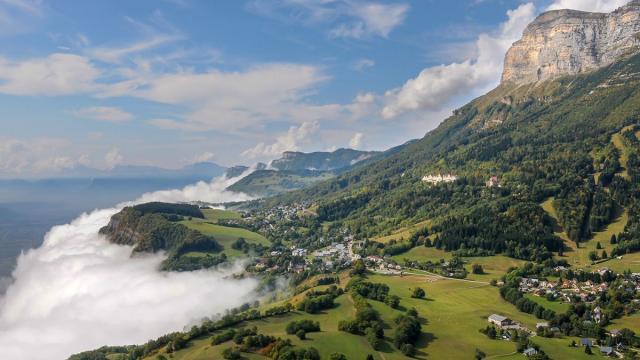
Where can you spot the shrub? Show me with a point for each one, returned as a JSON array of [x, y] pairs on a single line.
[[418, 293]]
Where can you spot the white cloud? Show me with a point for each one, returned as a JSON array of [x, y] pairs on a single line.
[[363, 64], [436, 86], [57, 74], [371, 19], [348, 18], [104, 113], [234, 100], [291, 141], [356, 140], [78, 291], [204, 157], [116, 54], [34, 156], [113, 158], [19, 16], [588, 5]]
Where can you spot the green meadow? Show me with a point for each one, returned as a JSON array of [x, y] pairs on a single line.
[[453, 313], [225, 235]]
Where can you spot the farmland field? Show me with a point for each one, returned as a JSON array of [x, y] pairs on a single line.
[[453, 313]]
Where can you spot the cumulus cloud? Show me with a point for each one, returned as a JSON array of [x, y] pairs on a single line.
[[34, 156], [371, 19], [104, 113], [291, 141], [356, 140], [78, 291], [588, 5], [113, 158], [436, 86], [234, 100], [56, 74]]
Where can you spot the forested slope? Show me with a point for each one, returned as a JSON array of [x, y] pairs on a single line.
[[539, 140]]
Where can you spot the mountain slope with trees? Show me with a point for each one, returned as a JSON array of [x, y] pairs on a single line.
[[538, 140]]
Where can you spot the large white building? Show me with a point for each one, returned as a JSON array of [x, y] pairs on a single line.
[[435, 179]]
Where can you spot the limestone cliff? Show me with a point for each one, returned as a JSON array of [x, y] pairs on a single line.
[[565, 42]]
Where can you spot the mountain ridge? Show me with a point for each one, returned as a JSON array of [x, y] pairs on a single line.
[[569, 42]]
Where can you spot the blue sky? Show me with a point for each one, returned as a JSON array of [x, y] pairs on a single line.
[[168, 83]]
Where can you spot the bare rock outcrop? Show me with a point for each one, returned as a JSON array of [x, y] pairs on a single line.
[[567, 42]]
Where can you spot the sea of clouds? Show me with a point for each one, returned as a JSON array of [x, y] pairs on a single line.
[[77, 291]]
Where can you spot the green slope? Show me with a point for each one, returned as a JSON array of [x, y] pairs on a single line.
[[543, 148]]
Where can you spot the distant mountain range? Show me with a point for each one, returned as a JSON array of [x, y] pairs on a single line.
[[321, 160], [296, 170]]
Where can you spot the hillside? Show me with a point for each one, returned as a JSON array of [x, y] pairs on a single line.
[[272, 182], [539, 140], [323, 161], [297, 170]]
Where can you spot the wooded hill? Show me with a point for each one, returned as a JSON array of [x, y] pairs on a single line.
[[573, 138]]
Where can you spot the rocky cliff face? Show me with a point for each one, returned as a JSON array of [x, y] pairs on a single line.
[[565, 42]]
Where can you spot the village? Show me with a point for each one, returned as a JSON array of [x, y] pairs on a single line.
[[572, 291], [506, 329]]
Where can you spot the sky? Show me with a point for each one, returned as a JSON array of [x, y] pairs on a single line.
[[174, 82]]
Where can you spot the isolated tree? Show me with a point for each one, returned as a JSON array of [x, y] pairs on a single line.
[[604, 254], [393, 301], [614, 239], [593, 256], [369, 357], [598, 245], [418, 293], [477, 269], [480, 354]]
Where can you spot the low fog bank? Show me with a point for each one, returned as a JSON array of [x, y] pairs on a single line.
[[78, 291]]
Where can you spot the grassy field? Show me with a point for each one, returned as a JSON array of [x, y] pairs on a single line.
[[453, 313], [494, 266], [219, 214], [327, 341], [558, 306], [225, 235], [579, 256], [617, 141], [631, 322], [403, 233]]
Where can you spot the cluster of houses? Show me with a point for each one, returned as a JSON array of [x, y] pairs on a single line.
[[380, 265], [566, 290], [439, 178], [337, 254], [503, 322]]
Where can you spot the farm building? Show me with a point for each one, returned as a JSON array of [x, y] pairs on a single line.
[[499, 320]]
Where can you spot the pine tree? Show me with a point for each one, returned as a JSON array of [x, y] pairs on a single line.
[[587, 350]]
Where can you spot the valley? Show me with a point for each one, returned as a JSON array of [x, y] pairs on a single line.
[[510, 231]]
